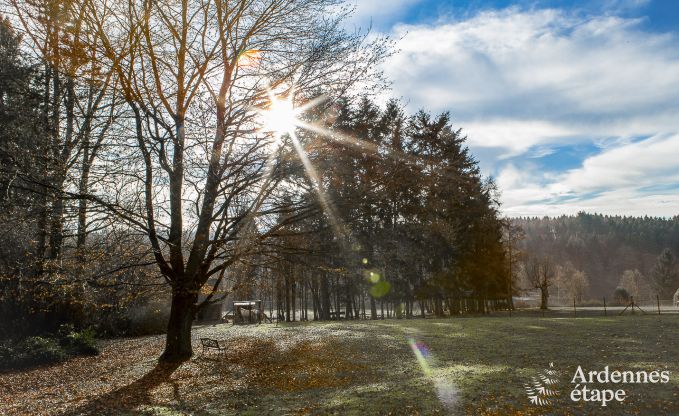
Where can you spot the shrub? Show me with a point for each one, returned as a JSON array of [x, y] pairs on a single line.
[[81, 343], [38, 350], [7, 356], [64, 330], [34, 351], [621, 296]]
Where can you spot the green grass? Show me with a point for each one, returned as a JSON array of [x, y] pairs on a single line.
[[476, 365], [480, 364]]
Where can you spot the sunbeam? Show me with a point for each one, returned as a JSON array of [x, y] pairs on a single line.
[[281, 118], [353, 141], [334, 219]]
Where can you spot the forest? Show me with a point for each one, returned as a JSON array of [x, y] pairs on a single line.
[[596, 254]]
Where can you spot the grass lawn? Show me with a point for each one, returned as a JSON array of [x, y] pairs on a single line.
[[469, 365]]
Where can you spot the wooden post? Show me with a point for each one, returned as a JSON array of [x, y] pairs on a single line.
[[605, 312], [657, 298], [575, 312], [631, 302]]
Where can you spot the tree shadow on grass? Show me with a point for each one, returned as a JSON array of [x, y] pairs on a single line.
[[129, 398]]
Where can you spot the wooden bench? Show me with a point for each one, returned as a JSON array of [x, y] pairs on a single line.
[[211, 344], [335, 315]]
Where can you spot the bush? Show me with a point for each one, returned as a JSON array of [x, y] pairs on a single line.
[[34, 351], [81, 343], [30, 352], [7, 356], [621, 296], [41, 350]]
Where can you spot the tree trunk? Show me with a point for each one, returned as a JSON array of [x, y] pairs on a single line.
[[438, 307], [178, 341], [63, 154], [83, 188], [357, 307], [325, 298], [287, 296], [315, 297], [293, 296], [373, 308], [544, 296], [43, 224], [348, 308], [57, 228]]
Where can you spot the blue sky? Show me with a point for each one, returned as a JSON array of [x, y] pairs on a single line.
[[570, 105]]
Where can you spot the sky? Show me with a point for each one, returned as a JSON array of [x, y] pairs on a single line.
[[570, 105]]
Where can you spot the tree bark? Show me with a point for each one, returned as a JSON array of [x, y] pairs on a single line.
[[56, 239], [544, 296], [178, 340], [287, 296], [325, 298], [83, 188], [373, 308], [82, 204]]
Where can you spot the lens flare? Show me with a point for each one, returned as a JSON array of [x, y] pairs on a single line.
[[446, 391], [380, 289], [249, 58], [280, 118], [420, 350]]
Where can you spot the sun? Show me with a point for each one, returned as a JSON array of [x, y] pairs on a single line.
[[281, 117]]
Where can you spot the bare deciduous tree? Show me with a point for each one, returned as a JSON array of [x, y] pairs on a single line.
[[199, 177], [540, 273]]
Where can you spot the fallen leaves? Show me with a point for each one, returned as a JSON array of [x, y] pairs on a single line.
[[127, 378]]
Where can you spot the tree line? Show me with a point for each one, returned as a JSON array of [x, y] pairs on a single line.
[[413, 229], [592, 256]]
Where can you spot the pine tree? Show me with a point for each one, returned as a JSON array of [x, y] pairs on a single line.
[[665, 274]]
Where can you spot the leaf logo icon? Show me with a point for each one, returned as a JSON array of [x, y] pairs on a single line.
[[540, 391]]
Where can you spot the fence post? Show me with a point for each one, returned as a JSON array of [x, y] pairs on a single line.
[[657, 298], [575, 312], [605, 312]]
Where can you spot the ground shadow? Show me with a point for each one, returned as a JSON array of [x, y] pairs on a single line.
[[130, 397]]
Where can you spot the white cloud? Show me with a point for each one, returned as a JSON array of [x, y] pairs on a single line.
[[543, 68], [650, 162], [516, 136], [611, 203], [523, 82], [525, 186], [637, 178]]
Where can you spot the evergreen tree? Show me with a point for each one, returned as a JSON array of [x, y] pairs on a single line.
[[665, 274]]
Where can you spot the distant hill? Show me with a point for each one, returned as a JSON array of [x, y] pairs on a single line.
[[601, 246]]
